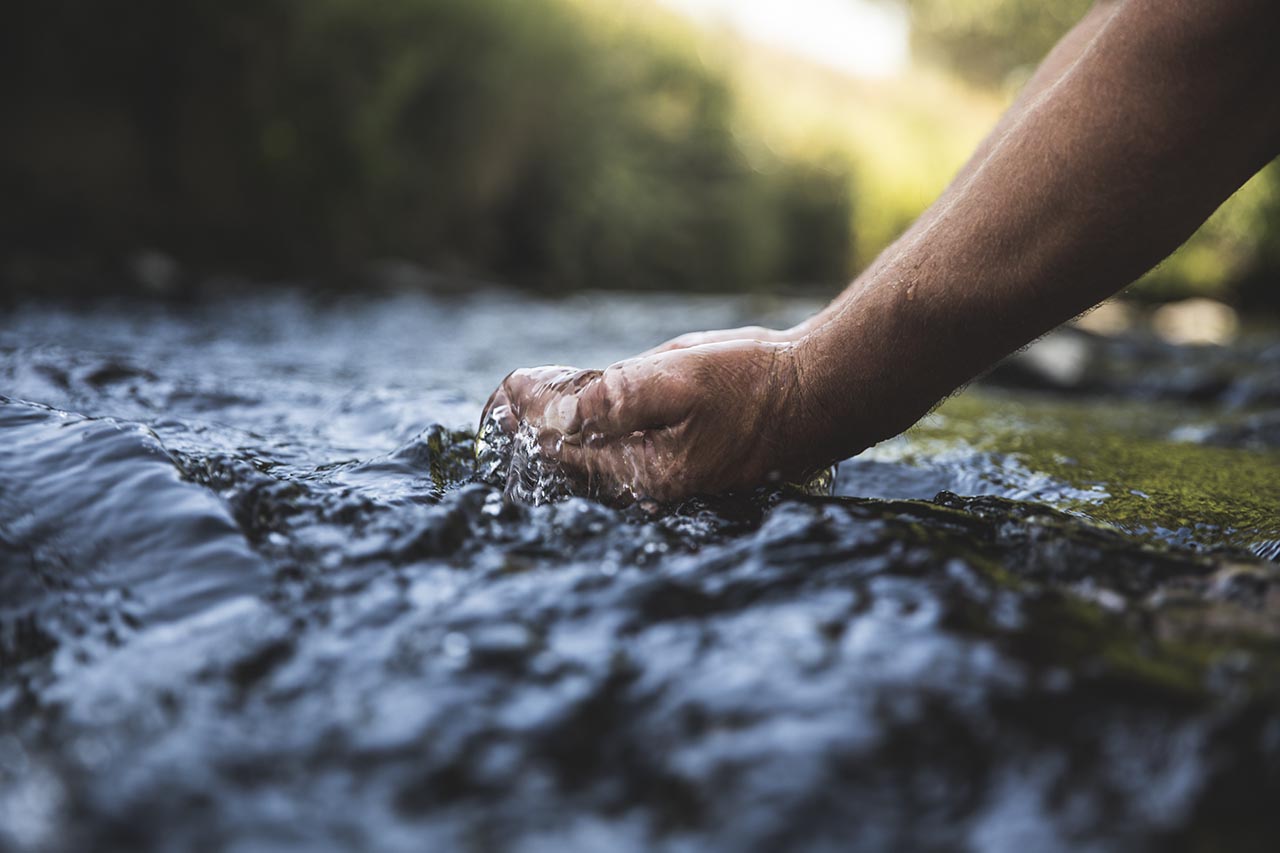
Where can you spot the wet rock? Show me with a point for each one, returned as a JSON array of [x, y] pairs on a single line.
[[438, 532], [254, 667], [1254, 432], [502, 645], [1136, 366], [111, 372]]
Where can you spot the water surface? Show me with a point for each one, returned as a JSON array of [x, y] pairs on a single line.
[[253, 598]]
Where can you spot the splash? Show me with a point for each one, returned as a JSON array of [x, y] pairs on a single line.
[[516, 463]]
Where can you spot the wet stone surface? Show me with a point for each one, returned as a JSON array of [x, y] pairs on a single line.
[[255, 598]]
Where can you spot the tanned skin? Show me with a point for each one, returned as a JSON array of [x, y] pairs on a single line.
[[1141, 121]]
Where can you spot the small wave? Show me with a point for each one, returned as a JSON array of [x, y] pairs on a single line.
[[100, 528]]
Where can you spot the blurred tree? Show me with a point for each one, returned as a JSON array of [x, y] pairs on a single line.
[[997, 43], [539, 140], [988, 41]]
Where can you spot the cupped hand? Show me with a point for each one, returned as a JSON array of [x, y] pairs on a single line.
[[698, 420]]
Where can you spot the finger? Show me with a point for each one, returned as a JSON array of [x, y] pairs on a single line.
[[540, 396], [691, 339], [696, 339], [636, 395], [497, 411], [638, 466], [530, 389], [618, 471]]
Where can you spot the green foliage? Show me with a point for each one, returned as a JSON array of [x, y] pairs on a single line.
[[987, 41], [530, 139], [1234, 256], [996, 43], [554, 143], [1211, 492]]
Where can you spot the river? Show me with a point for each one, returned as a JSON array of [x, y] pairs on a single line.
[[251, 597]]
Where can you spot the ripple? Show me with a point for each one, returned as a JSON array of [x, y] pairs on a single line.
[[267, 596]]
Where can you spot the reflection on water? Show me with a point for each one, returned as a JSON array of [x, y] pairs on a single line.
[[251, 594]]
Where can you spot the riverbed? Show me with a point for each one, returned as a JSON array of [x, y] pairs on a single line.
[[254, 598]]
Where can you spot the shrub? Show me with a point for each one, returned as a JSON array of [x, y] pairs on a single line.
[[528, 139]]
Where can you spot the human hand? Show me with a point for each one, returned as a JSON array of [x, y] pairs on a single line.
[[717, 336], [698, 420]]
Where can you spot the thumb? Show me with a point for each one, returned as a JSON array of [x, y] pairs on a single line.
[[636, 395], [543, 397]]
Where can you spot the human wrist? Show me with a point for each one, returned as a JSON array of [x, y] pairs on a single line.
[[803, 429], [863, 375]]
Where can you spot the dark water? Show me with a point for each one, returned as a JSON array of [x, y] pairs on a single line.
[[251, 599]]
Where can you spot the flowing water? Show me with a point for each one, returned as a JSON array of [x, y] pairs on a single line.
[[252, 596]]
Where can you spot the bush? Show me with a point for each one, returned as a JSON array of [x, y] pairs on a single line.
[[534, 140]]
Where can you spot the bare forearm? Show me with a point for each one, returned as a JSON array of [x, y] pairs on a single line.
[[1059, 60], [1094, 180]]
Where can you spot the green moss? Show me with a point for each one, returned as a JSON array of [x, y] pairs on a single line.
[[1121, 465], [1123, 650]]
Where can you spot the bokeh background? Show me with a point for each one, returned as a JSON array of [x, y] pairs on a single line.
[[263, 261], [757, 145]]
